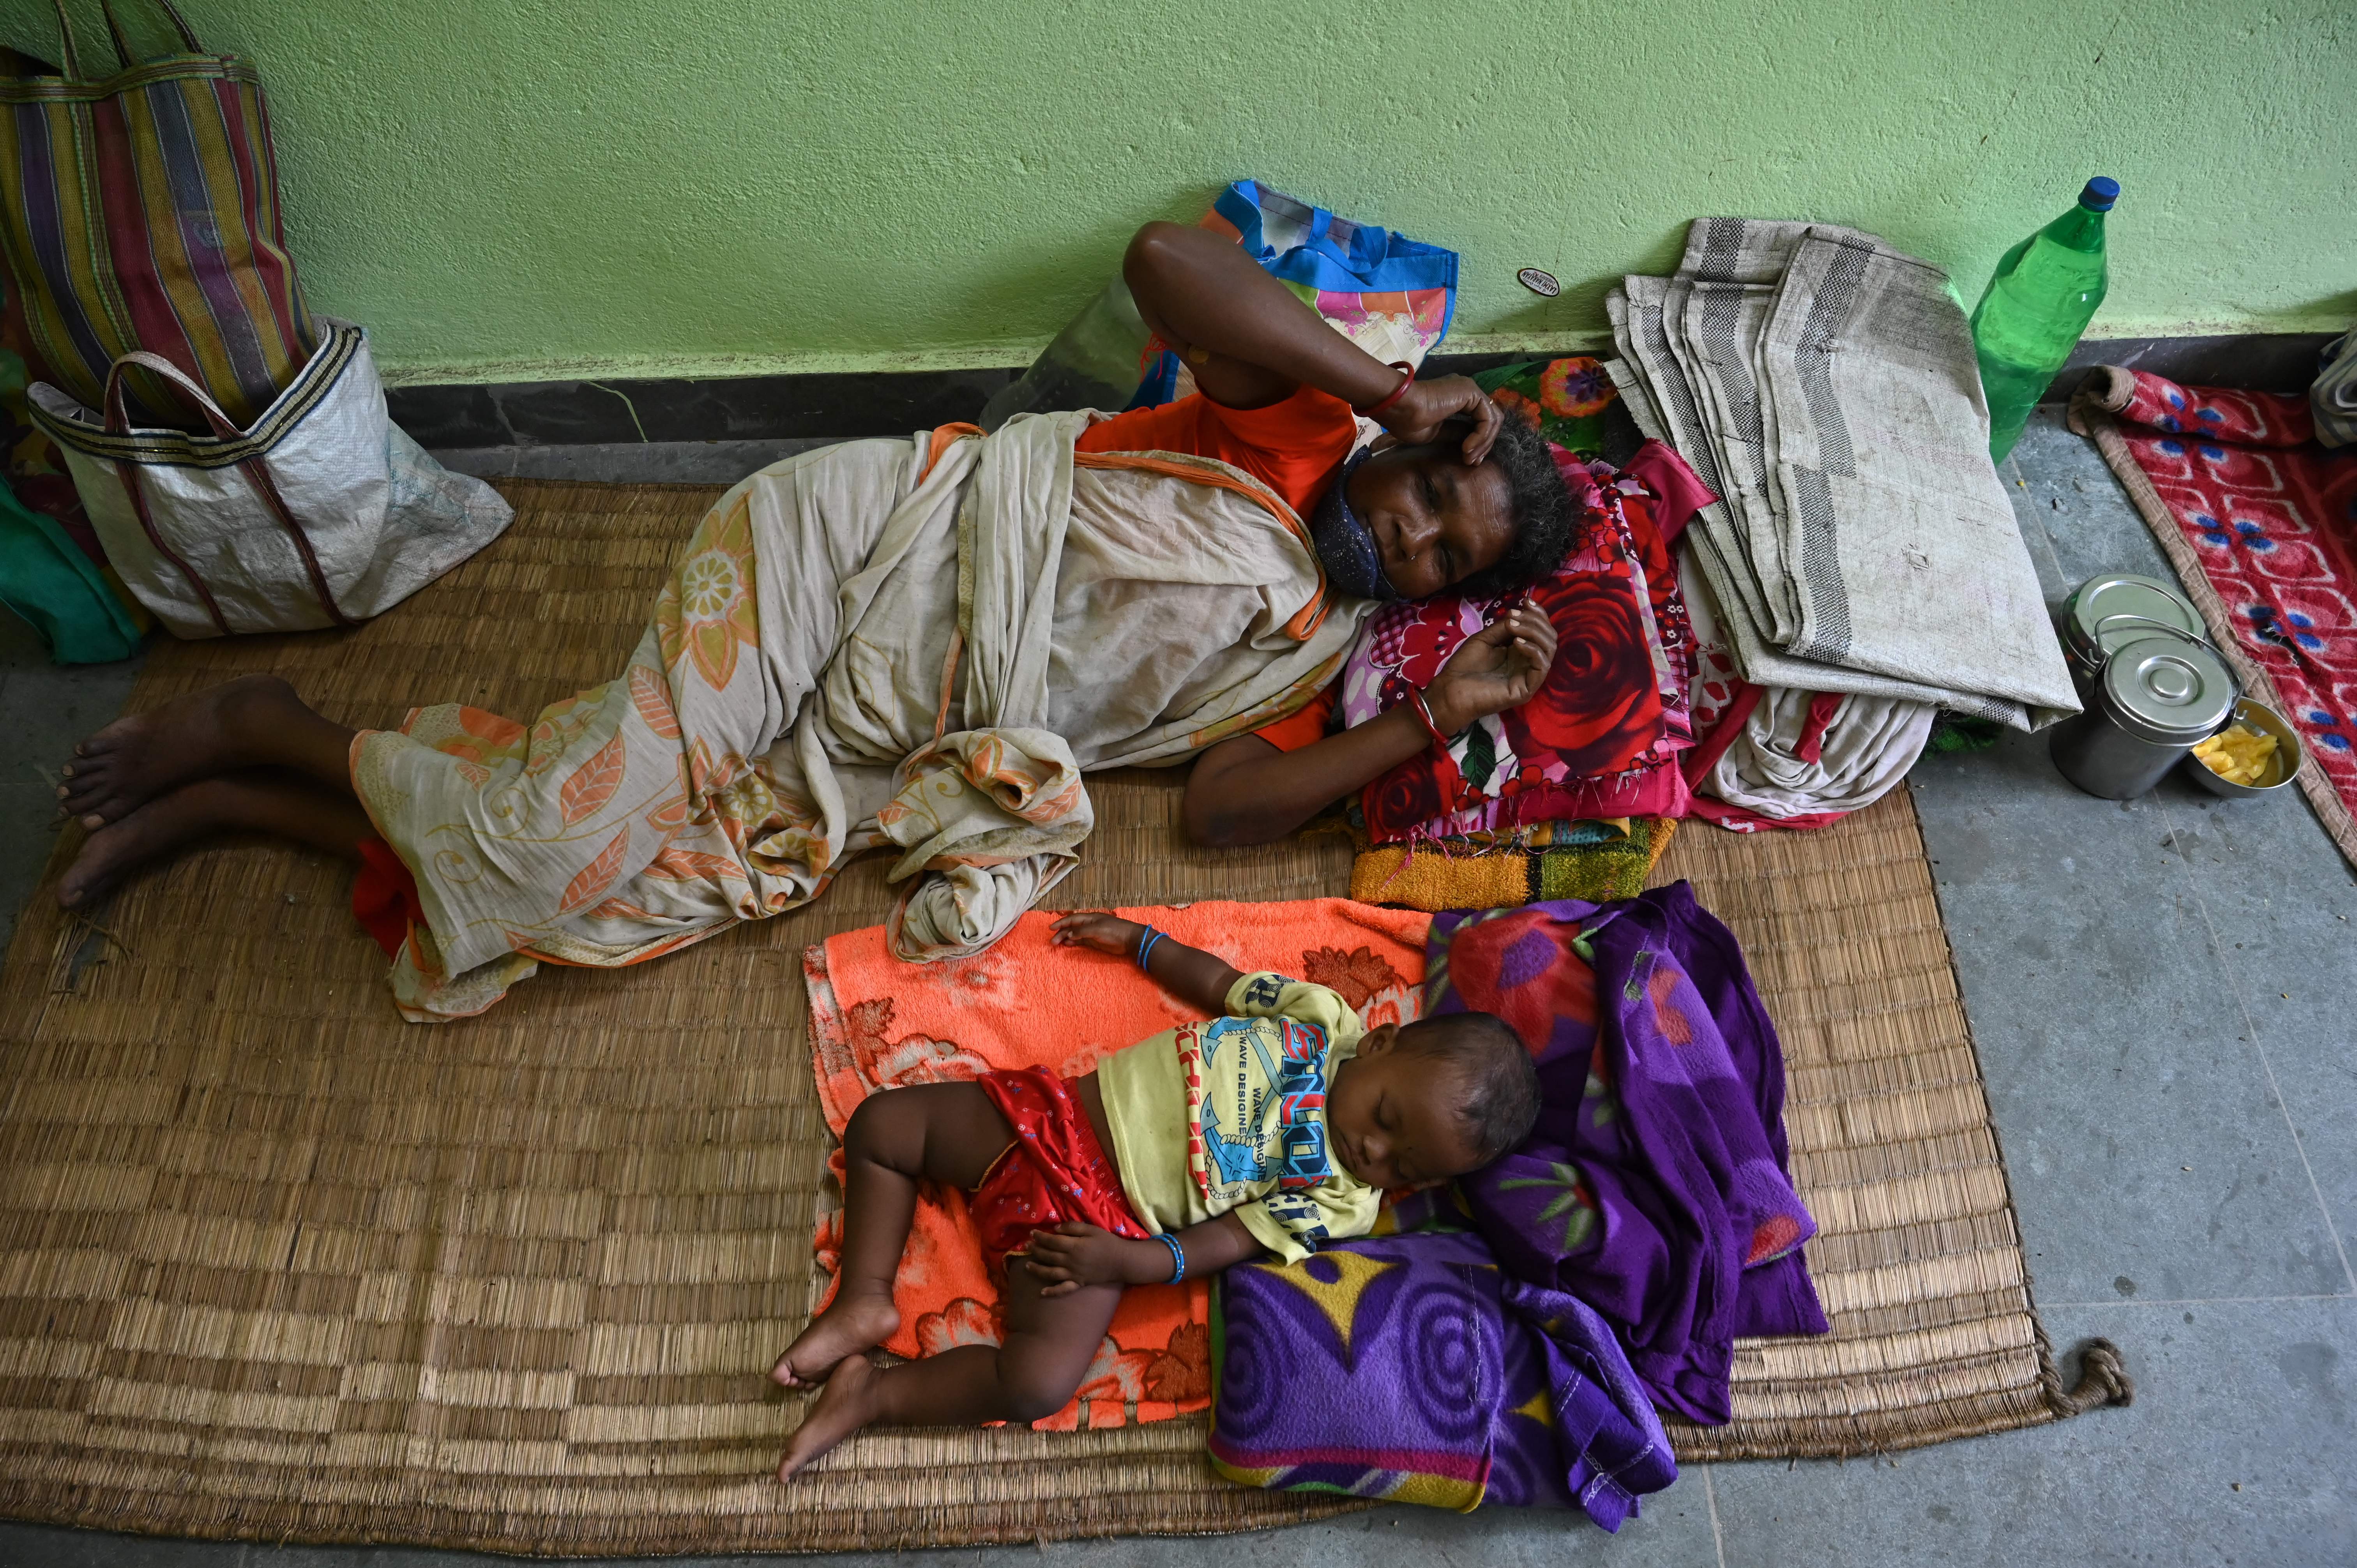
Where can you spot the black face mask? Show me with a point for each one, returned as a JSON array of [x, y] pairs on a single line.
[[1344, 546]]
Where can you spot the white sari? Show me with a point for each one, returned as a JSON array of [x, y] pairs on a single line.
[[919, 644]]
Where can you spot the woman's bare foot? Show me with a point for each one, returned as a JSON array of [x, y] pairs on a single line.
[[134, 760], [261, 799], [843, 1407], [853, 1324]]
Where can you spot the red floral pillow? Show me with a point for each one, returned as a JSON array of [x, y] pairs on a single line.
[[1613, 707]]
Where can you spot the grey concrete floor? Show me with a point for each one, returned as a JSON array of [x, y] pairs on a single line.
[[2161, 994]]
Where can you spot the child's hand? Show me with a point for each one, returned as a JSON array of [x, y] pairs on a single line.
[[1195, 977], [1073, 1254], [1095, 928]]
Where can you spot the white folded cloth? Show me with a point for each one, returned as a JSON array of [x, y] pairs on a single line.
[[1825, 385]]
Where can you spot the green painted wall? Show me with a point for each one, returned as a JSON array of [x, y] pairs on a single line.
[[528, 189]]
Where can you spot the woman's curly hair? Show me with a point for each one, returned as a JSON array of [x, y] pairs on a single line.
[[1543, 514]]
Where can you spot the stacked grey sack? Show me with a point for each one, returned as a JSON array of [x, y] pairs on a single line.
[[1825, 385]]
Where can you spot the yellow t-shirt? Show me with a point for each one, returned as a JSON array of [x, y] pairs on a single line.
[[1230, 1115]]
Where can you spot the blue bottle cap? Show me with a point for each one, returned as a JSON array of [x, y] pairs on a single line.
[[2101, 192]]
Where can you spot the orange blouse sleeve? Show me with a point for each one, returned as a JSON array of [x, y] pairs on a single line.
[[1306, 727]]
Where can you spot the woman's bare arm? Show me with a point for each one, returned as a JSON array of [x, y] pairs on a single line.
[[1249, 341], [1245, 791]]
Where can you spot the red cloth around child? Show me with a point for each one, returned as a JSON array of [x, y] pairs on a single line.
[[1056, 1170]]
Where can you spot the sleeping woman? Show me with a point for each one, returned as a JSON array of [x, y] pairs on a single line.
[[916, 644]]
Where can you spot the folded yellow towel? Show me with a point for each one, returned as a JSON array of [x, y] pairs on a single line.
[[1458, 874]]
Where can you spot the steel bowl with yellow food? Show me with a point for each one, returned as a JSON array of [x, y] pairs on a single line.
[[2257, 753]]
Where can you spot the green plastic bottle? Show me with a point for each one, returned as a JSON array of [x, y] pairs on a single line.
[[2044, 293]]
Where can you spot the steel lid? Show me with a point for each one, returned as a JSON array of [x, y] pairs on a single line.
[[2092, 635], [2166, 690]]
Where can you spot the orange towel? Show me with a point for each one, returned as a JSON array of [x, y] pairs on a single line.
[[877, 1023]]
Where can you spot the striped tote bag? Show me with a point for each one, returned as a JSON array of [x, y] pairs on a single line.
[[141, 212]]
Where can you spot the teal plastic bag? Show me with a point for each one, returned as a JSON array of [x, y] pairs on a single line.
[[46, 579]]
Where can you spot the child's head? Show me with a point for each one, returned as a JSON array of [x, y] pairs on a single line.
[[1434, 1099]]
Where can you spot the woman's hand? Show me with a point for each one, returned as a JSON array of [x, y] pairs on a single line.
[[1245, 791], [1095, 928], [1426, 408], [1073, 1254], [1500, 667]]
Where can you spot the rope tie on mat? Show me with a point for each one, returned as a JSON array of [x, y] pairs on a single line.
[[2103, 1380]]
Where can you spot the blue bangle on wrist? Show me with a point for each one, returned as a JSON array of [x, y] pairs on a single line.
[[1147, 937], [1177, 1256]]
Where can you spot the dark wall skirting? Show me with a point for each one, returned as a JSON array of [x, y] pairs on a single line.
[[741, 408], [2253, 361], [841, 406]]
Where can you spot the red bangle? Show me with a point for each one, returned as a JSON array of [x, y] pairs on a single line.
[[1424, 716], [1407, 380]]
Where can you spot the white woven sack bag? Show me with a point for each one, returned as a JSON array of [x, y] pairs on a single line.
[[323, 513]]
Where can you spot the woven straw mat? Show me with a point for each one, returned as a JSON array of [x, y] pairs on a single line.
[[275, 1265]]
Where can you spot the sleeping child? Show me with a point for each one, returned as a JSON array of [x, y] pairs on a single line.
[[1273, 1128]]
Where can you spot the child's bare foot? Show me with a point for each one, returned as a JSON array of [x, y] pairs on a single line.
[[135, 760], [843, 1407], [853, 1324]]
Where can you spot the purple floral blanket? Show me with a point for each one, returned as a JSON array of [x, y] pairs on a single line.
[[1410, 1368], [1510, 1346], [1655, 1188]]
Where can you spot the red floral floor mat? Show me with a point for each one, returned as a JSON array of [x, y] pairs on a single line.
[[2261, 523]]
